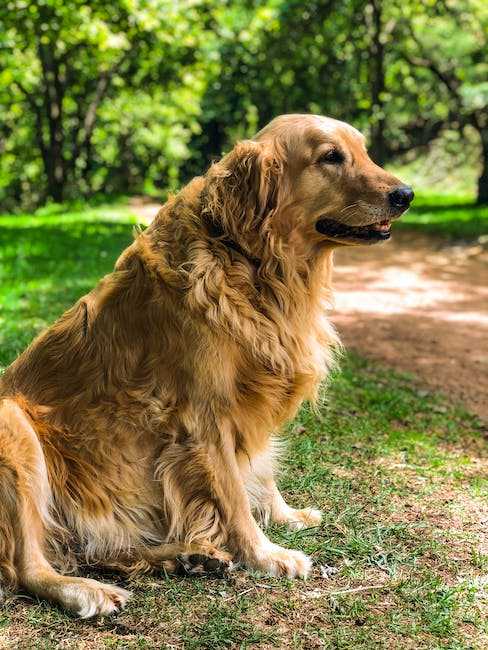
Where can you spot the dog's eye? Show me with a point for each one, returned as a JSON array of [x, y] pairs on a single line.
[[332, 157]]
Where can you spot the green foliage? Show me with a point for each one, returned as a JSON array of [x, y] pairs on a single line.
[[139, 95], [97, 95]]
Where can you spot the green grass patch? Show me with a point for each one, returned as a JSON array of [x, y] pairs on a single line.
[[452, 216], [401, 555], [50, 259]]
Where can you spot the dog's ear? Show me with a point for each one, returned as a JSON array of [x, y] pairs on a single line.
[[243, 188]]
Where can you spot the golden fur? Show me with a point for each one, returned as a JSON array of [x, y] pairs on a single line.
[[136, 432]]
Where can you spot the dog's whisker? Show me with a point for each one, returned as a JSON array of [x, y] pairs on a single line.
[[349, 206]]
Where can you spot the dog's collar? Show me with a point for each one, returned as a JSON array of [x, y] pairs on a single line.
[[215, 231]]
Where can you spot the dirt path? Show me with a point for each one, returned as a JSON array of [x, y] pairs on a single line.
[[422, 307], [144, 207], [415, 304]]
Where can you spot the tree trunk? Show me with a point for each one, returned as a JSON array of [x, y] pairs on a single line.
[[482, 197], [55, 170], [53, 96], [377, 80]]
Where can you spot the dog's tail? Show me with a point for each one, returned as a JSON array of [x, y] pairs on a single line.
[[8, 518]]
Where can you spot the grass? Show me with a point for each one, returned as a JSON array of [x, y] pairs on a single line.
[[452, 216], [48, 260], [401, 558]]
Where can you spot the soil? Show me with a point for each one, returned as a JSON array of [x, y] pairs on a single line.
[[419, 305], [144, 207], [415, 303]]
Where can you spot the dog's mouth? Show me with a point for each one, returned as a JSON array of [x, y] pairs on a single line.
[[379, 231]]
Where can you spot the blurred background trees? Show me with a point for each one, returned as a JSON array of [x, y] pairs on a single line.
[[136, 96]]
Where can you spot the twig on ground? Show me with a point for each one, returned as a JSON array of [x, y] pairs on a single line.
[[356, 590]]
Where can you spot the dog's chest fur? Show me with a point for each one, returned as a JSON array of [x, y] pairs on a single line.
[[262, 379], [253, 351]]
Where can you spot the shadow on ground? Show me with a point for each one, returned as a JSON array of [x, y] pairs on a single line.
[[422, 307]]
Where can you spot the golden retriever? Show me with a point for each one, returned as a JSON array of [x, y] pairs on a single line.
[[137, 431]]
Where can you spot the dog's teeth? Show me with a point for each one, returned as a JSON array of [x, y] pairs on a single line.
[[382, 226]]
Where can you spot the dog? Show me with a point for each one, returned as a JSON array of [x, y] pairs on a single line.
[[139, 431]]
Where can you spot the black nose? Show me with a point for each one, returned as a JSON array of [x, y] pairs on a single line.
[[401, 197]]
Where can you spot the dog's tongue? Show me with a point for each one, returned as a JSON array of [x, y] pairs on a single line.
[[382, 226]]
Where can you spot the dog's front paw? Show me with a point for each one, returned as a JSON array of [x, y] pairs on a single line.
[[88, 598], [306, 518], [278, 561]]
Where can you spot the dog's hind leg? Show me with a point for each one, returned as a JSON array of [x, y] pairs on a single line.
[[282, 513], [25, 520], [266, 499]]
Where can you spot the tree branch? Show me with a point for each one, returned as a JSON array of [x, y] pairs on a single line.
[[449, 80], [91, 113], [67, 54], [419, 134]]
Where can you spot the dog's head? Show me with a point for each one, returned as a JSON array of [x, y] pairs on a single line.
[[304, 179]]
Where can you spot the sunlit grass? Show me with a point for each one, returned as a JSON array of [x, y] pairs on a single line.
[[452, 216]]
